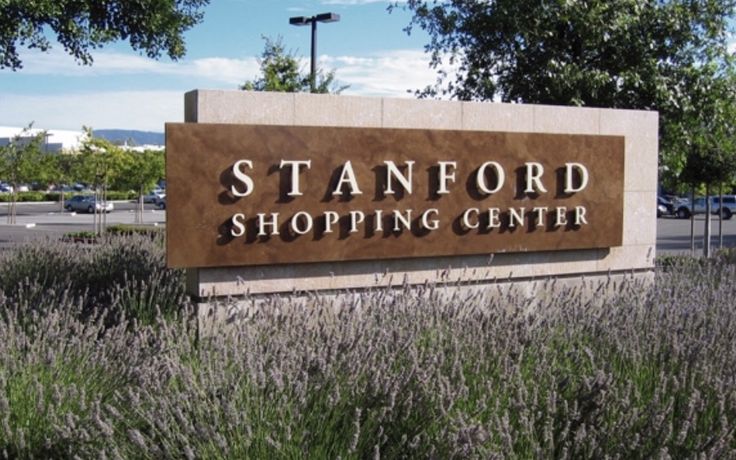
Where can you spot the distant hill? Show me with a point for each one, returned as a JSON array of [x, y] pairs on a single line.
[[132, 137]]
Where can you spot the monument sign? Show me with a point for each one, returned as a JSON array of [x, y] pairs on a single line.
[[252, 194], [275, 192]]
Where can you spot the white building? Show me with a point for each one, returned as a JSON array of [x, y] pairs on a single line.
[[57, 140], [142, 148]]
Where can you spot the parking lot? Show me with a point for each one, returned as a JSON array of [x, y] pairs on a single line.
[[46, 220], [673, 235]]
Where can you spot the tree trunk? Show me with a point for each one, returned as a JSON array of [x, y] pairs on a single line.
[[95, 223], [720, 216], [12, 211], [11, 208], [707, 233], [139, 211], [61, 200], [692, 221], [103, 225]]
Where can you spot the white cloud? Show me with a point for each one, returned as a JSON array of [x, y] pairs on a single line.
[[144, 110], [356, 2], [223, 70], [390, 74], [229, 71], [386, 74]]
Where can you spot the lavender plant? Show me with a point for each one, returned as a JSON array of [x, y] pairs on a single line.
[[645, 371], [122, 275], [56, 374]]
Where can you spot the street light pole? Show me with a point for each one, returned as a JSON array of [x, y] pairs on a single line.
[[303, 21], [313, 60]]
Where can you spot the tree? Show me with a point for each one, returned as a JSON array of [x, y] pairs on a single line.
[[635, 54], [708, 138], [20, 162], [100, 164], [60, 170], [281, 72], [153, 26], [140, 172]]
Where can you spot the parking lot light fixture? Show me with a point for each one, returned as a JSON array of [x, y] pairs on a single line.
[[313, 20]]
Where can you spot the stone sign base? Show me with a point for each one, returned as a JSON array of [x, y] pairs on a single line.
[[526, 295]]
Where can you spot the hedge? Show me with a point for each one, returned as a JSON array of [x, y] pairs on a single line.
[[54, 196]]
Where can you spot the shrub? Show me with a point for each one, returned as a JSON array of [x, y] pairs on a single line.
[[127, 230], [80, 236], [55, 196], [121, 195], [119, 274], [644, 372], [59, 375], [727, 256], [22, 197]]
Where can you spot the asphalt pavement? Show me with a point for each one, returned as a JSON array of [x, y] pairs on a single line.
[[47, 220], [673, 235]]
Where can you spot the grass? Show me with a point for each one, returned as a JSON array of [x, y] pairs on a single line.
[[101, 356]]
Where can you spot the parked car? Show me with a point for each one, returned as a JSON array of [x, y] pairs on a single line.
[[665, 207], [87, 203], [729, 205], [4, 187], [161, 202], [154, 196], [685, 209]]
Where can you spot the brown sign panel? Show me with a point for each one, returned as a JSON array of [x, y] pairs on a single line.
[[251, 195]]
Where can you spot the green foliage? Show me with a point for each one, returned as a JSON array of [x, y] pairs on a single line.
[[100, 162], [635, 54], [62, 168], [82, 235], [140, 171], [56, 196], [22, 197], [20, 160], [152, 26], [280, 72], [707, 135], [127, 230], [121, 194]]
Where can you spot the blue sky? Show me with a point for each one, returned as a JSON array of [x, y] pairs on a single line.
[[123, 89]]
